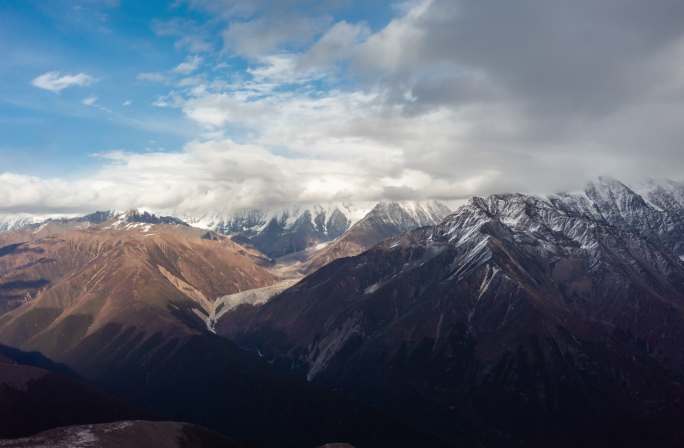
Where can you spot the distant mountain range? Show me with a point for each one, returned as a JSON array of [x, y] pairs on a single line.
[[281, 232], [384, 220], [276, 232]]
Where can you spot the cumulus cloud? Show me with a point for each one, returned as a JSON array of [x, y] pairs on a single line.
[[215, 174], [56, 82], [450, 98]]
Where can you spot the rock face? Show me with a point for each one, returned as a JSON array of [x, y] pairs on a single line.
[[525, 320]]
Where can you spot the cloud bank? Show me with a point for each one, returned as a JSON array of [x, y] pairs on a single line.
[[450, 98]]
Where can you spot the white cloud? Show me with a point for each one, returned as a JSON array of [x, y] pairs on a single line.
[[189, 65], [127, 103], [89, 101], [266, 35], [214, 174], [442, 102], [56, 82]]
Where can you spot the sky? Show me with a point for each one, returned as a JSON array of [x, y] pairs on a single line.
[[190, 106]]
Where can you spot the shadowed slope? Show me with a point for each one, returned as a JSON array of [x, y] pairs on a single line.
[[37, 394], [524, 320], [139, 434]]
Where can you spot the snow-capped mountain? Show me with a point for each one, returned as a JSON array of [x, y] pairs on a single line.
[[11, 222], [385, 220], [284, 231], [514, 310], [275, 232], [108, 219], [252, 221], [131, 219]]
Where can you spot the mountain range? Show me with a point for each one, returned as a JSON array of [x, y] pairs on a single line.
[[523, 319], [126, 300], [513, 320]]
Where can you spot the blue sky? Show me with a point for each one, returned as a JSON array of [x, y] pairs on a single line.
[[197, 106], [48, 134]]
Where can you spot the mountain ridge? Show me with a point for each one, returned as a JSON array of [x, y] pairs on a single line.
[[585, 287]]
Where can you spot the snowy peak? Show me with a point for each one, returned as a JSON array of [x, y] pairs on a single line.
[[138, 216], [663, 194], [281, 231], [10, 223], [385, 220], [608, 222], [251, 221], [614, 199], [409, 214], [99, 217], [21, 221], [134, 219]]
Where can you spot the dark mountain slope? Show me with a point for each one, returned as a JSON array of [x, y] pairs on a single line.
[[37, 394], [528, 321]]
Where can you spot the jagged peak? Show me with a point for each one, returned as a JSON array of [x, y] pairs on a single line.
[[136, 217], [608, 188], [408, 214]]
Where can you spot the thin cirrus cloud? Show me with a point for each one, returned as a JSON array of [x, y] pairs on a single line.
[[89, 101], [152, 77], [55, 82], [189, 65], [189, 34]]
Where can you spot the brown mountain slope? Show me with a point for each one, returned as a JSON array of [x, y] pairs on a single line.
[[158, 278], [124, 304]]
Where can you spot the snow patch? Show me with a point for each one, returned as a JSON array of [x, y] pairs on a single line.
[[372, 288]]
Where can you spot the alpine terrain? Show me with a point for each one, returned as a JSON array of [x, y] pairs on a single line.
[[127, 301], [518, 320]]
